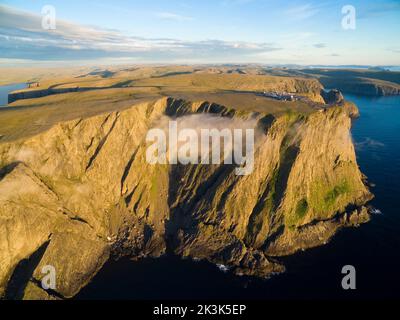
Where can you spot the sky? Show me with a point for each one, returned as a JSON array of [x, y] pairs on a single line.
[[191, 31]]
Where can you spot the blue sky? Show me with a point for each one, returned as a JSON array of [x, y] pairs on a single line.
[[185, 31]]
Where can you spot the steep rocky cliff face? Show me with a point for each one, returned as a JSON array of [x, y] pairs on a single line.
[[82, 192], [367, 87], [12, 97]]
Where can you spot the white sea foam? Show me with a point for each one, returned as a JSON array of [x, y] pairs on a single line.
[[222, 267]]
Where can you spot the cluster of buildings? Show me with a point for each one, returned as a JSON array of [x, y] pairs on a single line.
[[283, 96], [33, 84]]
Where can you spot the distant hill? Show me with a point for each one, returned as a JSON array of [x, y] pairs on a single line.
[[366, 82], [371, 82]]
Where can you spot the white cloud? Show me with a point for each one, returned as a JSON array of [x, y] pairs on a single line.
[[23, 38], [301, 12], [172, 16], [235, 2], [319, 45]]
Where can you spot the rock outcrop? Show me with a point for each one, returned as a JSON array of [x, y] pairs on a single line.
[[333, 96], [37, 93], [82, 192]]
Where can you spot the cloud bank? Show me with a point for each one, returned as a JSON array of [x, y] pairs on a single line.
[[22, 37]]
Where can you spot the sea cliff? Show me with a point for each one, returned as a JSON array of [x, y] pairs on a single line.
[[82, 192]]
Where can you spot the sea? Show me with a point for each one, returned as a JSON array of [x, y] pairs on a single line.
[[5, 90]]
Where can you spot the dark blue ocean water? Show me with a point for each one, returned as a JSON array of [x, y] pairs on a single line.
[[5, 90]]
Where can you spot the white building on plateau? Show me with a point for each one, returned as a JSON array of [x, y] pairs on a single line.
[[33, 84]]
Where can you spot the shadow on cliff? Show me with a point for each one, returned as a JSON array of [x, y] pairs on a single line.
[[23, 273], [182, 216]]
